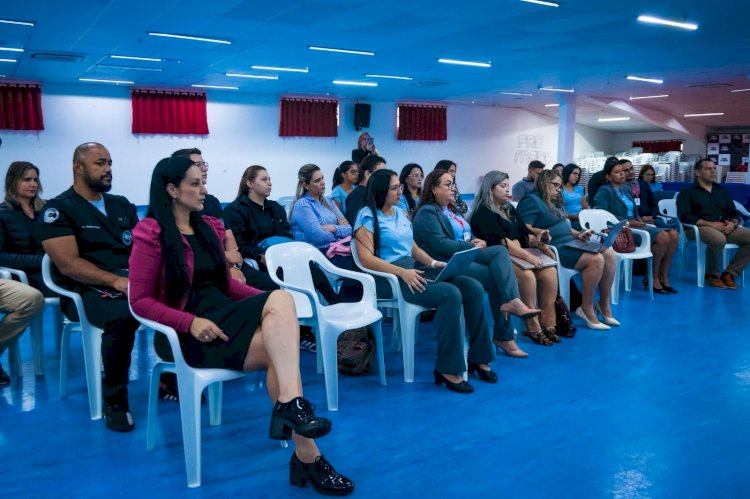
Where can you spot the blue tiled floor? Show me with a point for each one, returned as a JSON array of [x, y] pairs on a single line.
[[655, 408]]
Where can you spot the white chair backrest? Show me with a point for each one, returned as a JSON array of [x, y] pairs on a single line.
[[595, 219], [743, 211], [668, 207]]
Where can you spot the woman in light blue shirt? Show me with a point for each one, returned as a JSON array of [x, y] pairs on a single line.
[[344, 179], [316, 220], [385, 243], [574, 198]]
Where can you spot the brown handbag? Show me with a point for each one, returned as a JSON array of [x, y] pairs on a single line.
[[625, 241]]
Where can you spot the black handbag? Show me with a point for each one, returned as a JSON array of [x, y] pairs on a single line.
[[563, 324]]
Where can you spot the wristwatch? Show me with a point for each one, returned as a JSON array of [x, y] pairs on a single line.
[[237, 266]]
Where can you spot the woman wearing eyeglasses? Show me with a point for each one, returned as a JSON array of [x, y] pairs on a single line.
[[442, 232], [542, 211], [411, 184]]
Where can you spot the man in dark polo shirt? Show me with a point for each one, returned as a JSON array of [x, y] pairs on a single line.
[[526, 184], [87, 234], [710, 207]]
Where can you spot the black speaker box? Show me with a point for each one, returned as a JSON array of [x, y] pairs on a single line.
[[361, 116]]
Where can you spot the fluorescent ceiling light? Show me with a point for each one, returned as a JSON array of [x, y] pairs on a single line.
[[134, 58], [274, 68], [702, 114], [517, 93], [543, 2], [355, 83], [343, 51], [741, 90], [8, 60], [388, 77], [667, 22], [647, 80], [220, 87], [648, 97], [554, 89], [466, 63], [131, 68], [552, 105], [97, 80], [20, 23], [194, 38], [622, 118], [257, 77], [9, 49]]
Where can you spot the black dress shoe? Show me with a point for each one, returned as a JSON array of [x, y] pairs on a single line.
[[4, 378], [462, 387], [669, 289], [487, 375], [657, 291], [297, 415], [321, 475], [118, 417]]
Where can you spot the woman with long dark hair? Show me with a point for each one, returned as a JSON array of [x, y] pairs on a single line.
[[446, 165], [411, 185], [19, 248], [618, 199], [385, 243], [178, 277], [542, 211], [495, 220], [573, 195], [344, 180], [442, 232]]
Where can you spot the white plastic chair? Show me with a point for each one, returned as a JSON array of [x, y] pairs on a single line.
[[743, 211], [36, 326], [91, 337], [293, 259], [598, 220], [564, 276], [190, 384], [405, 315], [669, 207]]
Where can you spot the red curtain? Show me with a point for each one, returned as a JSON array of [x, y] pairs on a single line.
[[422, 122], [658, 146], [301, 117], [21, 106], [171, 112]]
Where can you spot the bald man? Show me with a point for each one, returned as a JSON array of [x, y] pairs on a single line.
[[87, 234]]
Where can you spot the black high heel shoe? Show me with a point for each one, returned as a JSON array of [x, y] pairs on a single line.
[[669, 289], [487, 375], [657, 291], [462, 387], [297, 415], [321, 475]]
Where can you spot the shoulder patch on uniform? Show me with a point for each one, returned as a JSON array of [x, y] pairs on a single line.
[[127, 238], [51, 215]]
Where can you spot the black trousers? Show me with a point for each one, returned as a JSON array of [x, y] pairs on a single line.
[[113, 316]]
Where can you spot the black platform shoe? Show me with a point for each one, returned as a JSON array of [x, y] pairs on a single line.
[[297, 415], [488, 375], [321, 475], [462, 387]]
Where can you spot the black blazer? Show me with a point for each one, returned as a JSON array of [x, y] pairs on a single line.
[[494, 229], [434, 234], [607, 199]]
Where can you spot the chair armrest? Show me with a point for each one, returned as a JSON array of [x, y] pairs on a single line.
[[645, 239], [693, 228], [368, 283], [51, 284], [19, 274], [5, 274]]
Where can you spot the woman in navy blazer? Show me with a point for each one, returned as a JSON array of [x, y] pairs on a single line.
[[617, 199]]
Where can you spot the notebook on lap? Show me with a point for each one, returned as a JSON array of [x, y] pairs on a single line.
[[598, 246], [455, 267]]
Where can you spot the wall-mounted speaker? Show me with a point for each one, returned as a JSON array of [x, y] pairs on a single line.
[[361, 116]]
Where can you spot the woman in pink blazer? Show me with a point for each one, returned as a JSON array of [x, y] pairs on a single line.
[[178, 277]]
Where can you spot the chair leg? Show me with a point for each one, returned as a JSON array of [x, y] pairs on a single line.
[[650, 268], [153, 404], [190, 415], [627, 268], [377, 329], [408, 324], [616, 282], [58, 320], [15, 364], [396, 336], [64, 355], [318, 353], [700, 262], [330, 368], [215, 391], [37, 343], [92, 356], [564, 285]]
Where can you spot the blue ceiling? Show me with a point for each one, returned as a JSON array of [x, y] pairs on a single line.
[[587, 45]]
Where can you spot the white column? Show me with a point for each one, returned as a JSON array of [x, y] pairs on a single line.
[[566, 128]]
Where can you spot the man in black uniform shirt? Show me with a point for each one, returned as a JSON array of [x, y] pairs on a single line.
[[87, 234]]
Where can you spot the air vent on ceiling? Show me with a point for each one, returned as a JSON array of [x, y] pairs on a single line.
[[712, 85], [57, 57], [431, 83]]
